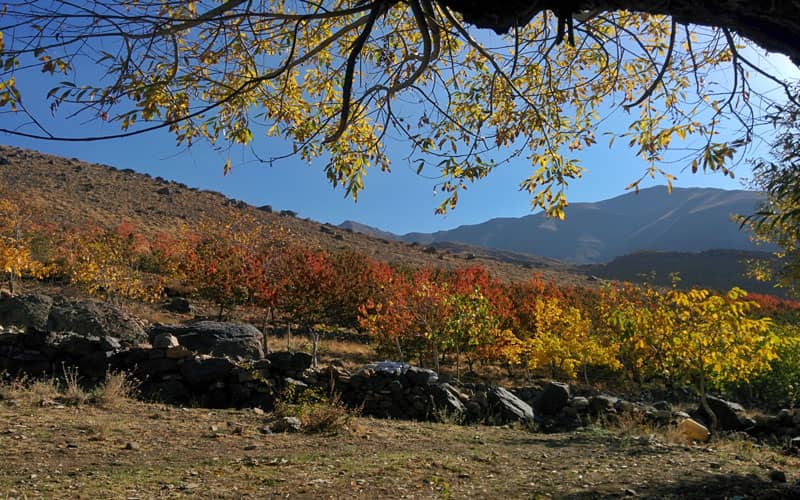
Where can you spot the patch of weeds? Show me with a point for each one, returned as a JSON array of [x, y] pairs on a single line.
[[318, 412], [443, 416], [72, 391], [117, 388], [443, 487], [30, 391]]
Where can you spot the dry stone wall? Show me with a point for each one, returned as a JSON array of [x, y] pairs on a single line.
[[223, 365]]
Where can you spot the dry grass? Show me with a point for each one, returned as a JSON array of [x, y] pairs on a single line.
[[153, 451], [72, 392], [116, 389]]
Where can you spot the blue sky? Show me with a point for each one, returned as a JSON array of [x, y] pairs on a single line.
[[399, 201]]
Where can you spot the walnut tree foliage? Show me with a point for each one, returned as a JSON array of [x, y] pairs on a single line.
[[338, 79], [777, 220]]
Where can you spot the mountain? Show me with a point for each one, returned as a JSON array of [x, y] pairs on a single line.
[[715, 269], [687, 220]]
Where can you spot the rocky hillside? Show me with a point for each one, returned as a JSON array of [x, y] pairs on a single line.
[[71, 192]]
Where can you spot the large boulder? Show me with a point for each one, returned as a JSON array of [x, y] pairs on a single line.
[[93, 318], [730, 415], [553, 398], [235, 340], [504, 407], [26, 311]]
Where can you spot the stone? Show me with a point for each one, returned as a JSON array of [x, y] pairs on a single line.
[[785, 417], [78, 346], [728, 414], [155, 367], [553, 398], [286, 424], [420, 376], [108, 343], [777, 476], [447, 403], [235, 340], [163, 340], [504, 407], [167, 391], [580, 403], [179, 305], [202, 372], [99, 319], [94, 364], [693, 430], [178, 352], [601, 403], [662, 406], [289, 362], [26, 311]]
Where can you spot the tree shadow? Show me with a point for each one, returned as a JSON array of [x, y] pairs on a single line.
[[703, 486]]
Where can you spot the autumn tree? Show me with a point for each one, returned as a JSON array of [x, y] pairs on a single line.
[[335, 78], [715, 341], [18, 233], [107, 262]]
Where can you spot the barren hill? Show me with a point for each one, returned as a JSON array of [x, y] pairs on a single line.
[[75, 192]]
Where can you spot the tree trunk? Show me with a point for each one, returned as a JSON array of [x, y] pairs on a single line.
[[705, 405], [399, 349], [265, 337], [314, 346], [775, 26]]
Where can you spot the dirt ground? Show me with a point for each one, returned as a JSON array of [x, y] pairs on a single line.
[[144, 450]]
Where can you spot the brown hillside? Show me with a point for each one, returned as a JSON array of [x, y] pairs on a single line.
[[75, 192]]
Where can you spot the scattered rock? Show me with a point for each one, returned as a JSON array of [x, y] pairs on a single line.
[[286, 424], [85, 318], [693, 430], [133, 446], [448, 404]]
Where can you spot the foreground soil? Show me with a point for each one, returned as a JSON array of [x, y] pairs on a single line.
[[142, 450]]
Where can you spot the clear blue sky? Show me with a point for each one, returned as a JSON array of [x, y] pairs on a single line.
[[399, 201]]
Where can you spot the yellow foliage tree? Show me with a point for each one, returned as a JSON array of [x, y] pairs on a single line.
[[335, 78], [715, 341], [16, 236], [563, 340]]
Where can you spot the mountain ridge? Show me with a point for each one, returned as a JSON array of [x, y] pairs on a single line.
[[596, 232]]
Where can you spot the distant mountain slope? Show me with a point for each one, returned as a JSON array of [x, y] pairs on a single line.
[[716, 269], [688, 220]]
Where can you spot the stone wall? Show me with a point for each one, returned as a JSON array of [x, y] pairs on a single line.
[[223, 365]]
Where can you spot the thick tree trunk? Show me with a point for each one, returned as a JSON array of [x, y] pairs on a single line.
[[774, 25]]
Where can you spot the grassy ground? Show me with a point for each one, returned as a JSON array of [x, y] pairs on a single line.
[[120, 448]]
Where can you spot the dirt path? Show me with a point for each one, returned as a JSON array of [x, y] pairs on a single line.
[[150, 451]]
